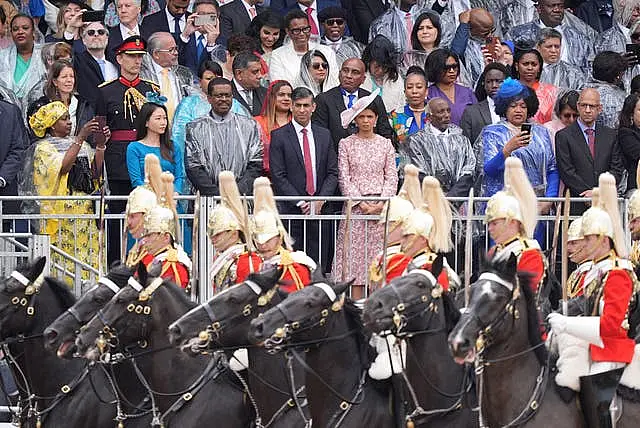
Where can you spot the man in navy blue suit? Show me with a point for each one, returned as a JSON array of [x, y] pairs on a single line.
[[303, 163], [199, 43], [236, 16], [172, 19]]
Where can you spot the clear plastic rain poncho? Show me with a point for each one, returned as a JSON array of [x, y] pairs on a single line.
[[511, 13], [8, 96], [448, 18], [349, 48], [232, 145], [563, 75], [34, 74], [392, 25], [618, 36], [612, 98], [577, 39], [473, 64], [446, 156]]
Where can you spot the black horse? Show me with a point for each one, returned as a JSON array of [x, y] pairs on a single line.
[[329, 326], [54, 392], [60, 337], [500, 331], [185, 391], [224, 321], [416, 308]]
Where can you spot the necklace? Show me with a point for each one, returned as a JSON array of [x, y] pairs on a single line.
[[421, 110]]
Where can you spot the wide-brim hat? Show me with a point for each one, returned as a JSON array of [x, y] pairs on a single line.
[[133, 45], [347, 116]]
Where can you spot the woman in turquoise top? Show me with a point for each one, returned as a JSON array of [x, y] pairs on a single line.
[[153, 137]]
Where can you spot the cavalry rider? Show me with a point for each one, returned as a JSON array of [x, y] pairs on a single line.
[[634, 224], [579, 254], [139, 203], [274, 243], [226, 230], [395, 214], [604, 326], [160, 235], [427, 232], [511, 216]]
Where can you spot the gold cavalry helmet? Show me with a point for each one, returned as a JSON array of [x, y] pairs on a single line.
[[163, 218], [143, 198], [266, 222], [228, 215], [401, 205], [574, 233]]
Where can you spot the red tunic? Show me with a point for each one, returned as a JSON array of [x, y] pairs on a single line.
[[296, 267], [246, 265], [172, 270], [425, 260], [396, 264], [529, 254]]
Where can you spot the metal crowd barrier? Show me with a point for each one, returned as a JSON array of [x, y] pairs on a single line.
[[21, 238]]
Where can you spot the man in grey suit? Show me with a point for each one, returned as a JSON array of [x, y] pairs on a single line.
[[477, 116]]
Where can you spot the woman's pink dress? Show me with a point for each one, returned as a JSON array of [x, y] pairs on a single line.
[[365, 167]]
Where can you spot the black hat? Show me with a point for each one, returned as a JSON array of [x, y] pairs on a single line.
[[331, 12], [132, 45]]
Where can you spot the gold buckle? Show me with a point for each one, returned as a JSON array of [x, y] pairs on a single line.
[[188, 396], [30, 311], [344, 405], [66, 389]]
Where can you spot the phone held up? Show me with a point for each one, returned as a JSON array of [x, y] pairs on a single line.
[[525, 128], [201, 20]]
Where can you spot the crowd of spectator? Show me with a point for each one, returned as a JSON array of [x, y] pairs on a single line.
[[325, 97]]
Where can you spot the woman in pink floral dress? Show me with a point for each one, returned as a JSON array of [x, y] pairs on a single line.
[[366, 167]]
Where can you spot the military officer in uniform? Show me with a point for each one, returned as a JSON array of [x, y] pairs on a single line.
[[274, 243], [140, 201], [578, 254], [226, 230], [603, 327], [511, 216], [634, 223], [160, 235], [120, 101], [399, 208], [427, 232]]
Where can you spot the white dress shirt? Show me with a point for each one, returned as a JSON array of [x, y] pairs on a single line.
[[345, 97], [172, 78], [312, 147], [125, 31], [110, 70], [171, 20], [246, 94], [249, 8], [314, 12], [197, 35], [492, 109]]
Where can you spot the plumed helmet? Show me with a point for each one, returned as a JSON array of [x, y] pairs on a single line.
[[163, 218], [266, 222], [574, 233], [143, 198], [419, 223], [441, 212], [634, 200], [228, 214], [503, 205], [400, 206]]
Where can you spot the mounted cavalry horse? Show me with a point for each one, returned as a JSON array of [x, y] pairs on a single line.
[[133, 407], [53, 392], [500, 332], [223, 323], [135, 322], [328, 326], [415, 307]]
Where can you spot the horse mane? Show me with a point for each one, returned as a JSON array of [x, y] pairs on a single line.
[[178, 293], [451, 312], [120, 274], [354, 316], [61, 291], [533, 320]]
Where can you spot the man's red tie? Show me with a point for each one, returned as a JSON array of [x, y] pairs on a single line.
[[308, 168], [312, 22], [591, 141]]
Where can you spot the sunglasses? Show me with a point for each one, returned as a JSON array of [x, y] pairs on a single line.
[[334, 21], [451, 67], [99, 32], [319, 65], [297, 31]]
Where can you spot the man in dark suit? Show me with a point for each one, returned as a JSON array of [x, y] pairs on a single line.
[[200, 43], [310, 7], [584, 150], [334, 101], [246, 82], [303, 163], [236, 16], [361, 15], [477, 116], [128, 14], [172, 19], [91, 64], [12, 148]]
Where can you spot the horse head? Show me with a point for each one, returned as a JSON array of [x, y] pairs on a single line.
[[492, 306], [224, 320], [132, 315], [402, 304], [61, 335], [305, 315]]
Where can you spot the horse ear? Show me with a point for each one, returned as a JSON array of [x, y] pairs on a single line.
[[437, 266], [266, 279], [341, 287], [36, 268], [318, 276], [142, 273]]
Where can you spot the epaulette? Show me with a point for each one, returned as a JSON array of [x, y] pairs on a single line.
[[106, 83], [153, 84]]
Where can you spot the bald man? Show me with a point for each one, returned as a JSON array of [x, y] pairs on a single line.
[[441, 150], [585, 150], [476, 55], [331, 103]]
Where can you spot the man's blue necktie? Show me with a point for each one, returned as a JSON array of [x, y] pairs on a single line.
[[200, 47], [103, 68]]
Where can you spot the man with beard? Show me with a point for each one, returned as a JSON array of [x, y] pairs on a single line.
[[442, 151], [92, 64]]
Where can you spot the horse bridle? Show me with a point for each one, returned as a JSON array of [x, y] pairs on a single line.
[[31, 289], [281, 335], [104, 281]]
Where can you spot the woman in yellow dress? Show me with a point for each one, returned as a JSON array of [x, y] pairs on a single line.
[[62, 165]]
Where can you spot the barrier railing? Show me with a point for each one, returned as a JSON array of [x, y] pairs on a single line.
[[20, 236]]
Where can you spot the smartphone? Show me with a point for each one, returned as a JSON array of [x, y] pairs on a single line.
[[526, 129], [201, 20], [98, 137], [93, 16], [634, 49]]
